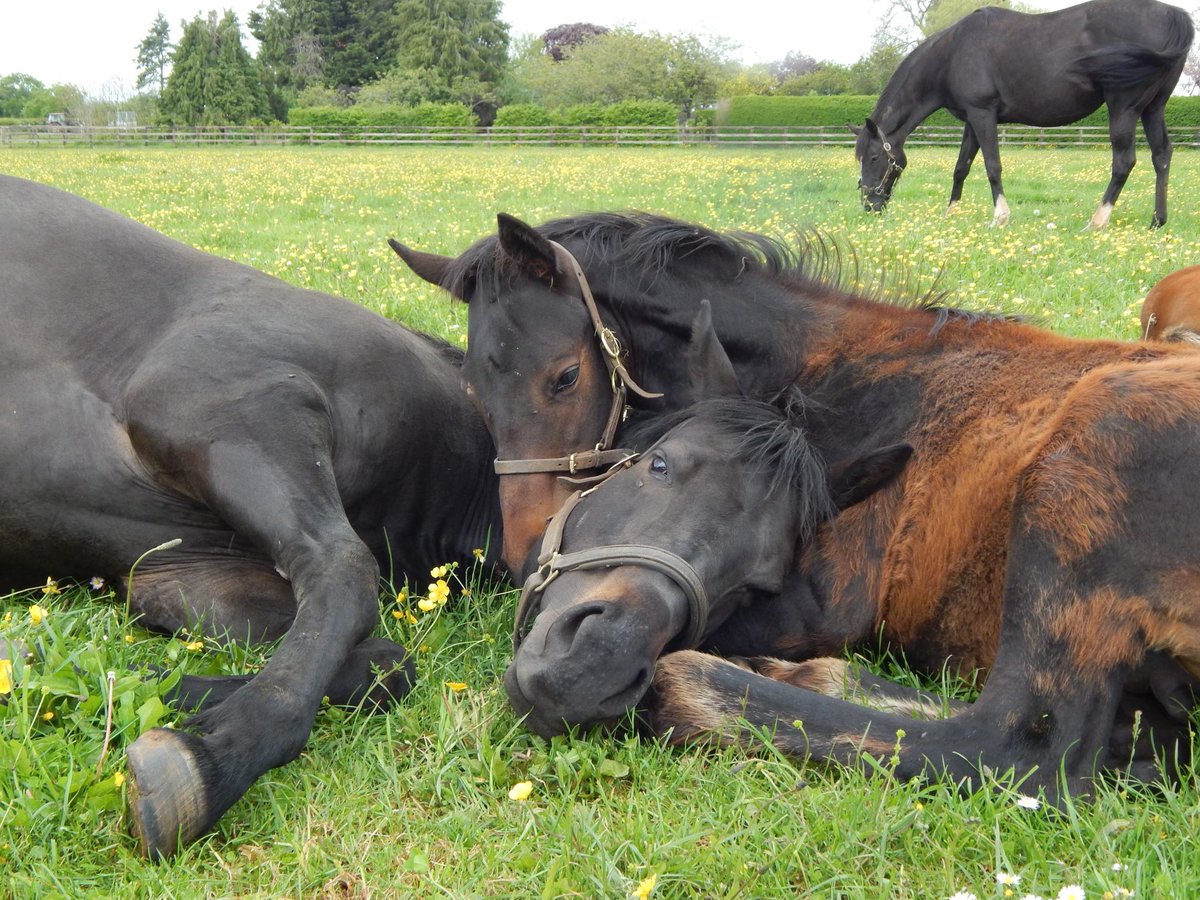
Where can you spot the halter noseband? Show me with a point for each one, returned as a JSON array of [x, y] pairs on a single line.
[[892, 166], [603, 454], [552, 563]]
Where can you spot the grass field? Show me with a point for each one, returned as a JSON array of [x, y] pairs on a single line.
[[416, 802]]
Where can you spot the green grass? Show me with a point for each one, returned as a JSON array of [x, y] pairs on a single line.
[[415, 802]]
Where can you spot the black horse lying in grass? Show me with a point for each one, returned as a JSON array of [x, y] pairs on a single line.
[[997, 65], [1048, 472], [294, 443], [659, 555]]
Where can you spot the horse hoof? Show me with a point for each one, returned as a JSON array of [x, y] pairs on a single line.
[[166, 793]]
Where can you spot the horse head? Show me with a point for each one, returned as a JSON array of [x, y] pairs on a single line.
[[540, 364], [881, 162], [658, 555]]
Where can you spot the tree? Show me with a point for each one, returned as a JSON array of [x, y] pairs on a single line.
[[460, 46], [905, 22], [561, 39], [154, 55], [342, 44], [15, 91], [213, 80], [625, 65]]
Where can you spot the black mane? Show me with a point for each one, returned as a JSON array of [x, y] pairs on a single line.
[[770, 439], [645, 246]]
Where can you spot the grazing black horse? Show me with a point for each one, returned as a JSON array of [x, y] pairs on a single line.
[[1049, 474], [1054, 68], [294, 442]]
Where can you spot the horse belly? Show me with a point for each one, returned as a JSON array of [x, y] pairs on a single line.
[[74, 500]]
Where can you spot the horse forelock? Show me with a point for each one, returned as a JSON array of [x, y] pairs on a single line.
[[769, 437]]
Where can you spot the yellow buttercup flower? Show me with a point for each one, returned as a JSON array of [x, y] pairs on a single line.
[[439, 592], [51, 588], [457, 686], [38, 614], [48, 715], [118, 779], [520, 791], [645, 887], [477, 553], [426, 605], [6, 682], [439, 571]]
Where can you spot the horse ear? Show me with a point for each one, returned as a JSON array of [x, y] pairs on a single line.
[[857, 479], [710, 373], [430, 266], [857, 129], [871, 127], [529, 249]]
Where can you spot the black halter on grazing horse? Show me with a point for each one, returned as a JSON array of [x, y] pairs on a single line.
[[1054, 68]]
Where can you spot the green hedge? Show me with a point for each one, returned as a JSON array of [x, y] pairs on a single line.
[[838, 109], [453, 115], [524, 115], [615, 115]]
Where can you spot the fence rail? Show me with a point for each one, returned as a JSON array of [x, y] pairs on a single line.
[[556, 135]]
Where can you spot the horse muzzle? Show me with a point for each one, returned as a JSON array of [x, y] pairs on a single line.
[[590, 661]]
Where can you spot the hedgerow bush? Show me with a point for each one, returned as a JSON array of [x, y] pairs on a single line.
[[837, 109], [524, 115], [453, 115]]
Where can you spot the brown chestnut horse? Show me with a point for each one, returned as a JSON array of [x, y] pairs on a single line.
[[1041, 464], [1171, 310]]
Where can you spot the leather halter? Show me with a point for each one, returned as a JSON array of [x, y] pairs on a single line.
[[603, 454], [892, 166], [552, 563]]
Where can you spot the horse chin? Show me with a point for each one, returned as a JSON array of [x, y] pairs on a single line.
[[548, 719]]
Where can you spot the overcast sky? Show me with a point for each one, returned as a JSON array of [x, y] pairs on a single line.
[[92, 43]]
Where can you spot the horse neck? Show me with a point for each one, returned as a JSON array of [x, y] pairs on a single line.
[[911, 96]]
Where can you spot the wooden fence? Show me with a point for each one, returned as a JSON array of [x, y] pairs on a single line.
[[548, 136]]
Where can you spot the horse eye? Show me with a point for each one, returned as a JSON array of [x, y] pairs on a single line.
[[567, 379], [658, 467]]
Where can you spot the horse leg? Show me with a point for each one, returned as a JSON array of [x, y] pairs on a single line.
[[1122, 120], [244, 465], [838, 678], [246, 600], [966, 156], [1013, 727], [983, 124], [1155, 125]]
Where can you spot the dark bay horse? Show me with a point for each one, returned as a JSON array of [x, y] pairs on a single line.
[[995, 65], [295, 442], [925, 563], [724, 497]]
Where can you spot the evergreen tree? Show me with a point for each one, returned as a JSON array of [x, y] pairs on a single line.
[[154, 55], [213, 81], [460, 45], [340, 43]]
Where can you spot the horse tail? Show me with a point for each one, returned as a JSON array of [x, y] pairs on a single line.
[[1130, 64]]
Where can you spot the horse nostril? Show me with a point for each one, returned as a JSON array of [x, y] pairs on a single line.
[[564, 631]]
